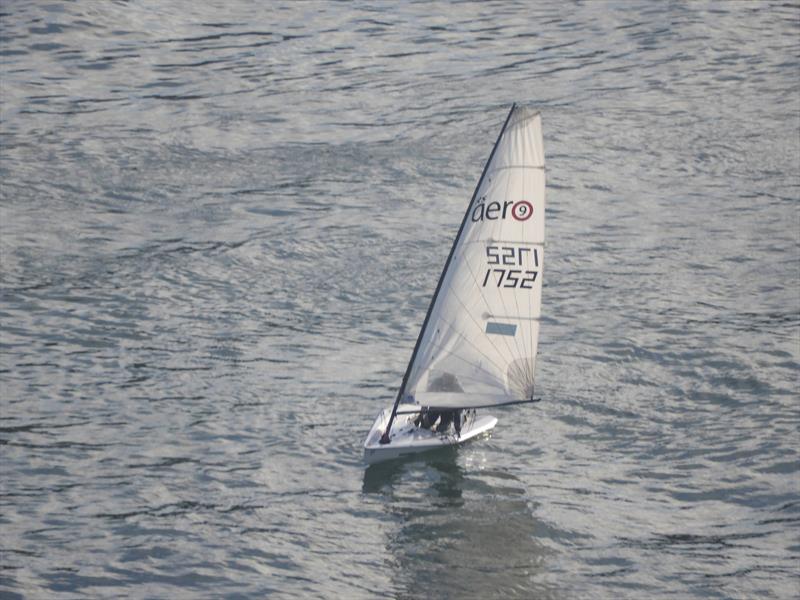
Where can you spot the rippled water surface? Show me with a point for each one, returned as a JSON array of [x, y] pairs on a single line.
[[221, 224]]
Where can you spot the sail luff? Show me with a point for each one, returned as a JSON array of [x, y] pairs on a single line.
[[401, 391]]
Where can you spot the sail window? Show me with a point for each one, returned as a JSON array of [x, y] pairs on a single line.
[[501, 328]]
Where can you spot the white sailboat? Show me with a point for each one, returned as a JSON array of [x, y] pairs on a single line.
[[477, 346]]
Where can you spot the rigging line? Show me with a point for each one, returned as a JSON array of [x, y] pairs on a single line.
[[514, 318], [461, 376], [482, 329], [385, 437], [482, 295], [511, 353], [516, 301], [486, 303], [488, 337], [468, 377], [452, 326], [519, 243], [519, 167], [471, 343], [499, 230], [452, 353], [455, 295]]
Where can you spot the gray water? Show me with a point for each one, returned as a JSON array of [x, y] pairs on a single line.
[[220, 227]]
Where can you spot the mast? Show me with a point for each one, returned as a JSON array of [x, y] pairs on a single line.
[[385, 437]]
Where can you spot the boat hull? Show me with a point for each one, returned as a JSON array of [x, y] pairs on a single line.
[[408, 439]]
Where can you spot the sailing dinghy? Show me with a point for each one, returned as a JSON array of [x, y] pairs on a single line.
[[478, 342]]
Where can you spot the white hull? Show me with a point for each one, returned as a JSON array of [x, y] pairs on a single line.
[[408, 439]]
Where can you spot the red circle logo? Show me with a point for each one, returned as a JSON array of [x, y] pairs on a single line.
[[522, 210]]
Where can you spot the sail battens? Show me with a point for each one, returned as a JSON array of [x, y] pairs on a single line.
[[511, 317], [496, 169], [517, 242]]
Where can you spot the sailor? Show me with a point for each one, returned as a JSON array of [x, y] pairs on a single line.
[[426, 418], [450, 417], [445, 421]]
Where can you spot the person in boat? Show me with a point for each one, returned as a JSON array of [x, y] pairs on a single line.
[[446, 382], [439, 421], [448, 418], [445, 421], [427, 419]]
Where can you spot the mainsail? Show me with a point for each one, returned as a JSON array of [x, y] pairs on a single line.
[[479, 341]]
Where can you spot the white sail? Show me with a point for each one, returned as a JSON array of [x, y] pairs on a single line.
[[479, 343]]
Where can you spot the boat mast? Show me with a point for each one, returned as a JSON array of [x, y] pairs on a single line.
[[385, 437]]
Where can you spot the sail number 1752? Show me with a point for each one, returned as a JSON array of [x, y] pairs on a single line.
[[511, 266]]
